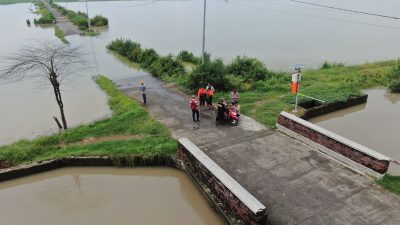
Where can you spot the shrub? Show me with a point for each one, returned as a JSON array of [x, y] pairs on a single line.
[[166, 66], [213, 71], [99, 20], [46, 16], [276, 83], [147, 57], [251, 69], [393, 78], [187, 56]]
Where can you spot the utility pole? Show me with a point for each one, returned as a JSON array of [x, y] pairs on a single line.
[[87, 13], [204, 32]]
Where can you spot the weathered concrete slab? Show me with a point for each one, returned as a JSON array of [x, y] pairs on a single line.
[[297, 184], [63, 22]]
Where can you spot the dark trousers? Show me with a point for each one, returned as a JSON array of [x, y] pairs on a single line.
[[144, 98], [195, 111]]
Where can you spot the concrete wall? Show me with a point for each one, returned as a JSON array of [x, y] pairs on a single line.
[[230, 194], [328, 108], [25, 170], [362, 155]]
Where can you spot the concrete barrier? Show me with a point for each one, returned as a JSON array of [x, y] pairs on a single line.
[[229, 193], [357, 156]]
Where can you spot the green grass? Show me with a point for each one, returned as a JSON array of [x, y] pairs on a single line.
[[128, 118], [60, 34], [391, 183], [46, 16], [6, 2], [335, 84]]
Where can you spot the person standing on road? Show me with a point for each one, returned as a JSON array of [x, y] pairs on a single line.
[[202, 94], [234, 96], [210, 93], [142, 90], [194, 105]]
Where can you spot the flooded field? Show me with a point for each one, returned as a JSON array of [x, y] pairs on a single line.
[[281, 33], [374, 124], [105, 196]]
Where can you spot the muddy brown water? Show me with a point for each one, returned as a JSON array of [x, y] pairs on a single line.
[[374, 124], [280, 33], [105, 196]]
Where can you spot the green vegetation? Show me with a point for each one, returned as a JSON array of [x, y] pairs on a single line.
[[60, 34], [99, 21], [46, 16], [393, 78], [264, 94], [80, 19], [6, 2], [143, 135], [391, 183]]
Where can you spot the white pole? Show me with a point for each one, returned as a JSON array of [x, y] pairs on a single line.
[[297, 91], [204, 32], [87, 13]]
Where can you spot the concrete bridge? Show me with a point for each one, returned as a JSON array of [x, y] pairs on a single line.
[[296, 183]]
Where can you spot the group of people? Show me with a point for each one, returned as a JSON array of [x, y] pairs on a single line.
[[205, 95], [204, 99]]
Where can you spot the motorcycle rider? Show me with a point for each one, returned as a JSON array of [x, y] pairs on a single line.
[[222, 109]]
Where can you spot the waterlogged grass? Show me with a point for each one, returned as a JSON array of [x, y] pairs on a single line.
[[391, 183], [149, 137], [6, 2], [60, 34], [46, 16]]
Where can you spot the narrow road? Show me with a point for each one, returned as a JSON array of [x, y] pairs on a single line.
[[63, 22], [296, 184]]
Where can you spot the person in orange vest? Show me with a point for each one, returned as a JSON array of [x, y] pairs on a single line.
[[202, 95], [210, 93]]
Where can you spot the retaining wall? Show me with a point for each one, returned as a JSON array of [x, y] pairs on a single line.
[[370, 160], [328, 108], [230, 194]]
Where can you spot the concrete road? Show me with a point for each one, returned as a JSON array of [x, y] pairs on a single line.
[[297, 184], [63, 22]]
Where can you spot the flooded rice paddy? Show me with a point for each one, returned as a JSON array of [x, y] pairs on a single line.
[[374, 124], [105, 196]]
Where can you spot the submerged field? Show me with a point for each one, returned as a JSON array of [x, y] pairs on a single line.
[[130, 131]]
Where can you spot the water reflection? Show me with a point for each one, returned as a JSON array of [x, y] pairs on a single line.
[[374, 124], [105, 196]]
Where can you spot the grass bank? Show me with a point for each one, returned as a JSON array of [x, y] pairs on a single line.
[[46, 16], [60, 34], [130, 131], [264, 93], [80, 19], [6, 2], [391, 183]]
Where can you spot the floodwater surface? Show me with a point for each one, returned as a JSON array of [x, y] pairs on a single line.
[[374, 124], [105, 196], [278, 32]]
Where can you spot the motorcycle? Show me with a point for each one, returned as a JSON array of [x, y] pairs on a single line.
[[230, 116]]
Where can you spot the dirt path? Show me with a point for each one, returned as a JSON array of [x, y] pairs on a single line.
[[297, 184], [62, 21]]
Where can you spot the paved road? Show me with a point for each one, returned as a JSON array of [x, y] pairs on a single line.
[[62, 21], [297, 184]]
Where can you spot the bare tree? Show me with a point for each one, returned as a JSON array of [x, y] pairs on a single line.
[[49, 61]]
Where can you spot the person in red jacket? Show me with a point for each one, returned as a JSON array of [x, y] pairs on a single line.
[[194, 106]]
